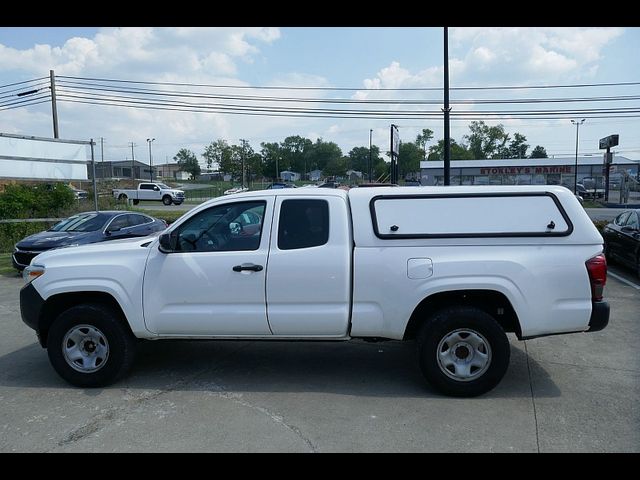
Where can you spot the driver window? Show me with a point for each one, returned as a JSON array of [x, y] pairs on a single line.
[[224, 228]]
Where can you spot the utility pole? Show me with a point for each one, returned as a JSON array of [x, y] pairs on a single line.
[[54, 108], [575, 174], [446, 110], [95, 184], [133, 163], [149, 141], [102, 149], [242, 162], [370, 134]]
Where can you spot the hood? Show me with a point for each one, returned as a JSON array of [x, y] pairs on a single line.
[[112, 248], [47, 239]]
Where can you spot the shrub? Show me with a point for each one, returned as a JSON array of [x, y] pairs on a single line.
[[35, 201], [12, 233]]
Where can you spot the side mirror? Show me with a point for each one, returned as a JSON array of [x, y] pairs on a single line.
[[113, 230], [168, 242]]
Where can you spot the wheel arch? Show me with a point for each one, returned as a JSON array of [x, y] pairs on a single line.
[[56, 304], [492, 302]]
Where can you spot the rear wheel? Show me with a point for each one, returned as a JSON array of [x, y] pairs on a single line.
[[122, 197], [89, 346], [166, 200], [463, 351]]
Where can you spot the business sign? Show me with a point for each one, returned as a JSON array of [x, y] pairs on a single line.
[[608, 142], [36, 158], [395, 141]]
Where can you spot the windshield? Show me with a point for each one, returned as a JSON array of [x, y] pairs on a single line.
[[89, 222], [162, 185]]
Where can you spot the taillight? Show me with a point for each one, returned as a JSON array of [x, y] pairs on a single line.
[[597, 269]]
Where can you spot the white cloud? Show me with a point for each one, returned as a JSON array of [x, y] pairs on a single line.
[[529, 55], [187, 55]]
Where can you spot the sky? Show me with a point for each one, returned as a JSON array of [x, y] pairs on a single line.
[[372, 62]]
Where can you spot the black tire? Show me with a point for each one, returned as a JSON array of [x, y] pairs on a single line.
[[443, 326], [121, 345], [136, 202], [166, 200]]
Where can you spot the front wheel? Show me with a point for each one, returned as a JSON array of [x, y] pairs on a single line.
[[166, 200], [89, 346], [463, 351]]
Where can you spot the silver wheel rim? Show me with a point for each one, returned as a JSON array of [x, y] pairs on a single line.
[[85, 348], [463, 355]]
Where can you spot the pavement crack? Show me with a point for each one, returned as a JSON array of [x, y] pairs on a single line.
[[278, 419], [98, 422], [533, 399]]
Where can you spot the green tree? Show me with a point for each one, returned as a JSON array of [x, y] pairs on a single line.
[[359, 160], [216, 153], [458, 152], [271, 155], [518, 148], [409, 158], [188, 162], [538, 152], [295, 151], [335, 167], [423, 138], [485, 141], [239, 155], [320, 154]]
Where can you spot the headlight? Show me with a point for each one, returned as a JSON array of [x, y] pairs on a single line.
[[32, 272]]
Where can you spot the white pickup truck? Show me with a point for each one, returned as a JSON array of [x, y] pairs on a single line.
[[452, 268], [150, 191]]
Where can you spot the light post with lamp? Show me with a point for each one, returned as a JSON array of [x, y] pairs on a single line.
[[149, 140], [575, 173]]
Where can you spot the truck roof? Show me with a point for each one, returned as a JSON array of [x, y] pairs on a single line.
[[374, 191]]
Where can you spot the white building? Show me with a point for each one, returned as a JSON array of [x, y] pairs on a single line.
[[526, 171], [289, 176]]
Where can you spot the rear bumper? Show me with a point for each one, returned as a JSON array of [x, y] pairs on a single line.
[[599, 316]]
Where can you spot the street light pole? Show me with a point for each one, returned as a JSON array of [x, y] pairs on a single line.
[[370, 133], [575, 173], [149, 140]]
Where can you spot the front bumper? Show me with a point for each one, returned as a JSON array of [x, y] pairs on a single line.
[[599, 316], [31, 304]]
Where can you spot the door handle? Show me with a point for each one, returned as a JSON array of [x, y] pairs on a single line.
[[247, 266]]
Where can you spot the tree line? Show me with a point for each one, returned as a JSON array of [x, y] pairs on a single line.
[[302, 155]]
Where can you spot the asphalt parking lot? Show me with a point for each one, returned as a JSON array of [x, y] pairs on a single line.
[[570, 393]]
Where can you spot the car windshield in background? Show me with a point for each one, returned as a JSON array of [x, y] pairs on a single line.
[[89, 222]]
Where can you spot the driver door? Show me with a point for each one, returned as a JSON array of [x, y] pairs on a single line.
[[213, 283]]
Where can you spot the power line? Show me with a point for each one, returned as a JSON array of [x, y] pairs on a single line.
[[25, 100], [509, 87], [25, 105], [9, 93], [434, 113], [23, 82], [399, 116], [146, 91]]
